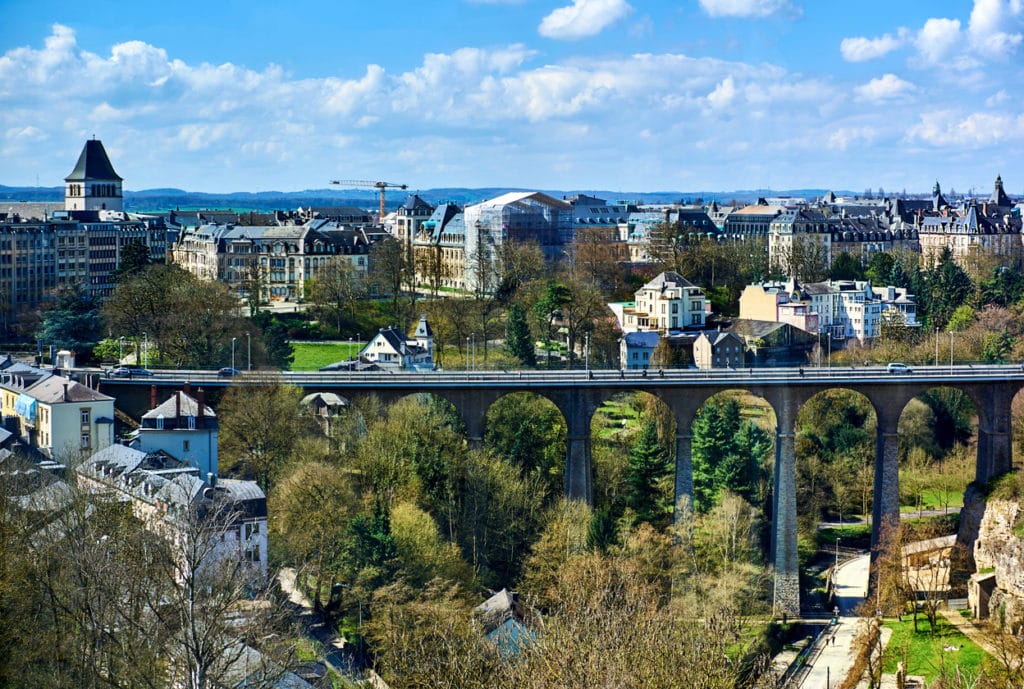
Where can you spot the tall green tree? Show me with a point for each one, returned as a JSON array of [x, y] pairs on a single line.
[[520, 343], [259, 423], [134, 259], [72, 321], [646, 473]]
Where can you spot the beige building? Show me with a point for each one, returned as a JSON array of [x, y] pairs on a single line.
[[279, 259], [55, 415], [979, 235], [439, 248]]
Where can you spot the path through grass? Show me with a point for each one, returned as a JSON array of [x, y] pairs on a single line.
[[927, 655]]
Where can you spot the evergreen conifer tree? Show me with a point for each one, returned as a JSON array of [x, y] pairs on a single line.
[[520, 344], [647, 466]]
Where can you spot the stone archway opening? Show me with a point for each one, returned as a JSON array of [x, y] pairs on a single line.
[[836, 443], [732, 446], [632, 440], [529, 432], [938, 451]]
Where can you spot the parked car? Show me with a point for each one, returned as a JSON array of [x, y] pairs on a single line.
[[228, 372], [898, 368], [129, 372]]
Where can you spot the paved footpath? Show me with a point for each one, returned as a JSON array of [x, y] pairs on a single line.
[[975, 634], [834, 654], [337, 653]]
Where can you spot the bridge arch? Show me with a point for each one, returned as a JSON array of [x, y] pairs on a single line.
[[529, 430]]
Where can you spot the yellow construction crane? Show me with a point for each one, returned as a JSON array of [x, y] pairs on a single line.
[[376, 185]]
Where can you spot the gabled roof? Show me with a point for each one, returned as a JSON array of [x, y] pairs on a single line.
[[93, 163], [170, 409], [668, 280], [56, 389], [413, 202]]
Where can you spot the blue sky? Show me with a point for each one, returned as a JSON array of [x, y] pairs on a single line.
[[621, 95]]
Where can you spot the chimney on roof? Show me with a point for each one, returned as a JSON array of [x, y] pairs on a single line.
[[65, 392], [188, 388], [152, 397], [202, 409], [177, 407], [211, 478]]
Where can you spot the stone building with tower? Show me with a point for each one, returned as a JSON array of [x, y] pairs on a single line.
[[81, 246]]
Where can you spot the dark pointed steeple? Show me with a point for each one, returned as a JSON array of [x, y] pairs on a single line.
[[999, 197]]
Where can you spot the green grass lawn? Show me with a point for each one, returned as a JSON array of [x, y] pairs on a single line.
[[937, 499], [925, 654], [848, 534], [312, 356]]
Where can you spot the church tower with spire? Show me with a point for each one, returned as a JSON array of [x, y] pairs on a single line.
[[93, 185]]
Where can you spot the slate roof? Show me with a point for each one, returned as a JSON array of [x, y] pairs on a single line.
[[999, 196], [328, 398], [51, 390], [423, 329], [642, 338], [93, 164], [413, 202], [169, 408], [668, 280]]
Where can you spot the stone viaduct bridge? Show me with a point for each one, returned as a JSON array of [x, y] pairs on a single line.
[[578, 394]]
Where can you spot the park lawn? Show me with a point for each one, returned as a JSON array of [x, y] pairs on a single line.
[[848, 534], [937, 499], [312, 356], [924, 652]]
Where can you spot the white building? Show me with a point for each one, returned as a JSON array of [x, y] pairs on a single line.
[[184, 428], [167, 495], [93, 185], [843, 309], [390, 349], [668, 302]]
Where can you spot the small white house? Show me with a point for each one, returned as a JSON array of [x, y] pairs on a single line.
[[390, 349]]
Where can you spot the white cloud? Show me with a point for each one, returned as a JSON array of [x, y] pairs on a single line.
[[477, 116], [938, 40], [847, 136], [991, 25], [860, 49], [997, 98], [745, 8], [723, 94], [886, 87], [946, 128], [583, 18]]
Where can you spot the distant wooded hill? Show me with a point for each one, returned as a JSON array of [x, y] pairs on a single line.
[[170, 199]]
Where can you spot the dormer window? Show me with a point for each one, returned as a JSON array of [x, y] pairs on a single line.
[[191, 423], [160, 422]]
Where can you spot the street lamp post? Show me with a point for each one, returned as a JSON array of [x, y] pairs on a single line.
[[474, 350], [248, 352], [830, 350], [233, 352], [586, 352], [936, 347], [145, 350], [467, 353], [120, 350], [950, 351]]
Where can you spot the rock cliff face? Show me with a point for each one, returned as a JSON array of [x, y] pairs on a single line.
[[997, 589]]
